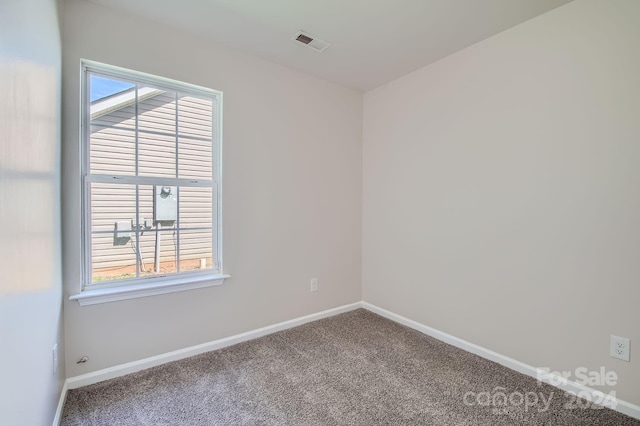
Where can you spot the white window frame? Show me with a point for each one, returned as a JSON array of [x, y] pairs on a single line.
[[158, 284]]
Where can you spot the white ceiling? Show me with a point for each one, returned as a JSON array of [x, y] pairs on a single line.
[[372, 41]]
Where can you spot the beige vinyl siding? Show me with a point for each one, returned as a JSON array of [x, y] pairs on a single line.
[[112, 152]]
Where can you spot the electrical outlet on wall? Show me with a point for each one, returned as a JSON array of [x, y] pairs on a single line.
[[619, 347], [314, 284]]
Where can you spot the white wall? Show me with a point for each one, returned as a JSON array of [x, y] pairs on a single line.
[[292, 193], [30, 287], [502, 191]]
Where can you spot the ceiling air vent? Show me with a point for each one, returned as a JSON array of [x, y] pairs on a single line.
[[310, 41]]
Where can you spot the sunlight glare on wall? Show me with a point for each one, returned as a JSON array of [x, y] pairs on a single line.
[[28, 185]]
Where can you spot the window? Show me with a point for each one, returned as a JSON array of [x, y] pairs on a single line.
[[151, 181]]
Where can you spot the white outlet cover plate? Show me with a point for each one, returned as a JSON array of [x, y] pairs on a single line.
[[620, 347]]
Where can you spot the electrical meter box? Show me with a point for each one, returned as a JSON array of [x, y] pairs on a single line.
[[165, 203]]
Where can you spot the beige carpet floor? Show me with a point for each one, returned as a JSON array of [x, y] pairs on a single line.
[[355, 368]]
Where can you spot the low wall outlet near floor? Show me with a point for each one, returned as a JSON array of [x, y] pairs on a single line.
[[620, 347], [314, 284]]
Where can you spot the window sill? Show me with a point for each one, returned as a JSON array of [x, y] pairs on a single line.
[[114, 294]]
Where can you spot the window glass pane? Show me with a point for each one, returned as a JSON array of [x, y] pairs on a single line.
[[195, 159], [113, 206], [195, 117], [113, 218], [157, 204], [156, 132], [156, 110], [165, 252], [112, 129], [112, 151], [195, 147], [196, 248], [156, 155], [196, 207], [113, 256], [112, 102]]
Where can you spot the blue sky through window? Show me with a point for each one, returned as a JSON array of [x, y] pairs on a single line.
[[101, 87]]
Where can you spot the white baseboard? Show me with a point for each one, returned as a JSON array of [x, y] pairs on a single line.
[[61, 400], [619, 405], [132, 367]]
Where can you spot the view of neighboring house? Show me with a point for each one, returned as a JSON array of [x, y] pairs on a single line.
[[169, 128]]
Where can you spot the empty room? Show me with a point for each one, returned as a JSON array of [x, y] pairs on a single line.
[[354, 212]]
